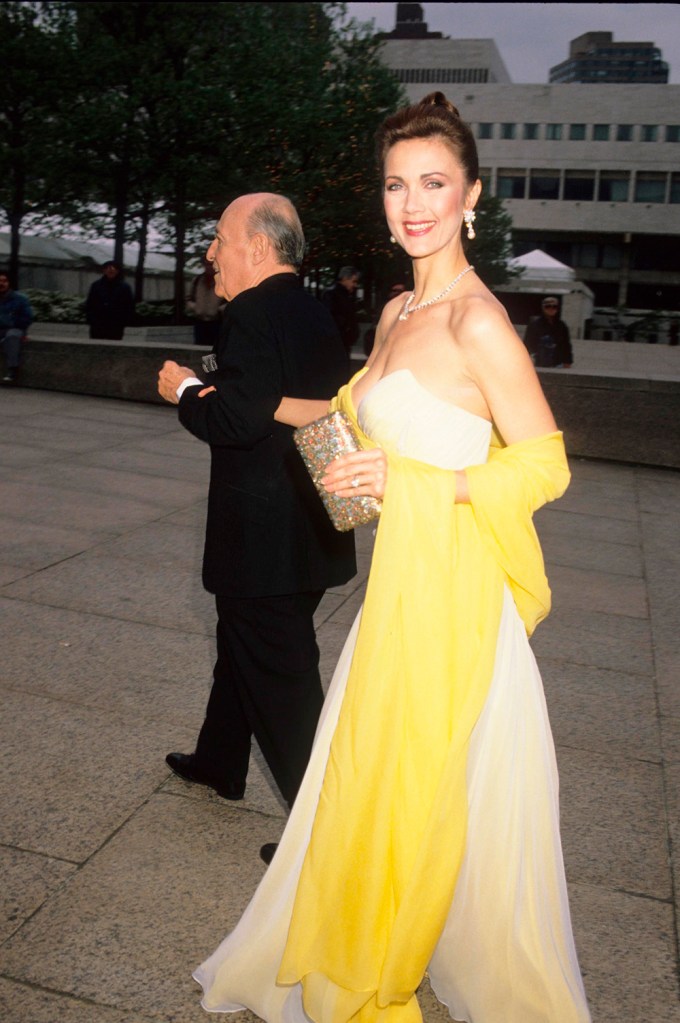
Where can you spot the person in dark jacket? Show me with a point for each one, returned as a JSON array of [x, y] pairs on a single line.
[[270, 548], [547, 337], [16, 316], [340, 300], [110, 306]]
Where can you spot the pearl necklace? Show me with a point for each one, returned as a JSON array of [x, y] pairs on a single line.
[[408, 309]]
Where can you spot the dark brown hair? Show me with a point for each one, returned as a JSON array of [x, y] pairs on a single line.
[[433, 117]]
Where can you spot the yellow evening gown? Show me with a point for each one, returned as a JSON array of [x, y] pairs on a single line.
[[426, 832]]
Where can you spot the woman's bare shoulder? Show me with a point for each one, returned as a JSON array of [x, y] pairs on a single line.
[[479, 319]]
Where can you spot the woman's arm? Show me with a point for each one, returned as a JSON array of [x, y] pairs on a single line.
[[499, 363], [300, 411]]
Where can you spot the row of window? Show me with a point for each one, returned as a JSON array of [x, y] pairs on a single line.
[[443, 75], [584, 185], [556, 132], [644, 253]]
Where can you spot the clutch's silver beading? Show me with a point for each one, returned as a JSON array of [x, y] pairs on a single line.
[[319, 443]]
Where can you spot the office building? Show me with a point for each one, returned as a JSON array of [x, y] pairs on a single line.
[[420, 57], [594, 58]]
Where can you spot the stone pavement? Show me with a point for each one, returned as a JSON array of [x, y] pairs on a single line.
[[119, 878]]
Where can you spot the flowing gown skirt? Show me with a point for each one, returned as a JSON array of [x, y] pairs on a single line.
[[426, 831]]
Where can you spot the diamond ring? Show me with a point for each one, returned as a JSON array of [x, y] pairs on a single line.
[[355, 481]]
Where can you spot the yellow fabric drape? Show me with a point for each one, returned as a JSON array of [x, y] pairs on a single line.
[[389, 832]]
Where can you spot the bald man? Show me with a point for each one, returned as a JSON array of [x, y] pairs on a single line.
[[270, 549]]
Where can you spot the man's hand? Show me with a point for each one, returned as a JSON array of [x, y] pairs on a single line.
[[169, 379]]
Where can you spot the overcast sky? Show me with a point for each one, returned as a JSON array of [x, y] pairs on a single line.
[[532, 38]]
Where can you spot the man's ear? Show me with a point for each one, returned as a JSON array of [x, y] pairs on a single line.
[[259, 247]]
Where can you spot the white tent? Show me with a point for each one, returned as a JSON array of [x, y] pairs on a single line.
[[537, 266], [70, 265], [542, 275]]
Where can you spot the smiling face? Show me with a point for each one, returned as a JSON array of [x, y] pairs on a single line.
[[425, 193]]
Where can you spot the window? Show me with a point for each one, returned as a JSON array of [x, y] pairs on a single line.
[[649, 133], [654, 252], [485, 178], [600, 133], [508, 130], [530, 131], [544, 185], [611, 257], [675, 188], [577, 132], [579, 185], [510, 184], [553, 132], [586, 254], [613, 186], [485, 130], [624, 133], [673, 133], [650, 187]]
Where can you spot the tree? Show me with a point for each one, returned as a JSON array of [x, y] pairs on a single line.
[[169, 110], [491, 249], [158, 105], [32, 151]]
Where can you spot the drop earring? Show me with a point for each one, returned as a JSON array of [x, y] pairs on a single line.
[[469, 216]]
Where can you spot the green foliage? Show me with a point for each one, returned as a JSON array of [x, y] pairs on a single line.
[[148, 313], [32, 102], [55, 307], [491, 249]]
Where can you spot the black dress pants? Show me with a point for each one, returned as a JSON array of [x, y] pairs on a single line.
[[265, 683]]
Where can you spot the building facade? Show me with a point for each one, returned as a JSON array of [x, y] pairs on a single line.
[[590, 174], [594, 58]]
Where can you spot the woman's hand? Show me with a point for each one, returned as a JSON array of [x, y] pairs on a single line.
[[361, 472]]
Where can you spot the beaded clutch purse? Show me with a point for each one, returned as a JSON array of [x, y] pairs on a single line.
[[319, 443]]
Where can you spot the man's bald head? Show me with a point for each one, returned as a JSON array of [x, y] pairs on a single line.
[[276, 217], [258, 235]]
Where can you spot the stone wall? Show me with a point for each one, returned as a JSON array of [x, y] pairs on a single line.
[[109, 369], [610, 405], [624, 419]]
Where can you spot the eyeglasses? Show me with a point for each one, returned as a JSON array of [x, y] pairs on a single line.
[[550, 305]]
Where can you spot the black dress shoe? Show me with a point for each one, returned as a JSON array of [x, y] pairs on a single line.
[[267, 852], [184, 765]]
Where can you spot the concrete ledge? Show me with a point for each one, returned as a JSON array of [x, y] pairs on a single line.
[[183, 334], [107, 369], [625, 415], [621, 418]]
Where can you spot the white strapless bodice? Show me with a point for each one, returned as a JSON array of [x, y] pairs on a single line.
[[401, 415]]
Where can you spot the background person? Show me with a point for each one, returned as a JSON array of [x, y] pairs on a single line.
[[205, 306], [110, 305], [341, 301], [270, 548], [16, 316], [547, 337]]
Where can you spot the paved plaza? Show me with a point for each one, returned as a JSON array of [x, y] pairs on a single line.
[[118, 879]]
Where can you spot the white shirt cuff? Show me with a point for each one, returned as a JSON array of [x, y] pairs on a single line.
[[189, 382]]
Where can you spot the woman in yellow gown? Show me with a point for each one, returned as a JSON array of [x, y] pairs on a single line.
[[426, 832]]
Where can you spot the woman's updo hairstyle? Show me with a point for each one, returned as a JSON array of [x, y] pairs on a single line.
[[433, 117]]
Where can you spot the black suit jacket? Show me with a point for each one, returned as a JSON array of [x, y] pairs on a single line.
[[267, 531]]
